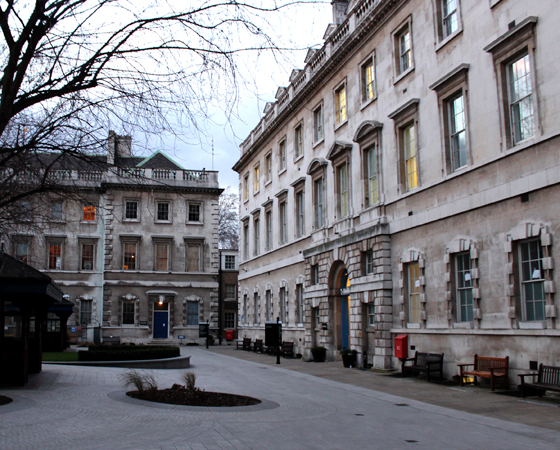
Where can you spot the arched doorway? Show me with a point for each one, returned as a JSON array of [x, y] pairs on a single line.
[[340, 305]]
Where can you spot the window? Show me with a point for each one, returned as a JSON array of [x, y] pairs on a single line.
[[255, 309], [532, 281], [162, 211], [85, 311], [229, 320], [55, 255], [256, 178], [521, 99], [131, 210], [192, 313], [87, 256], [21, 251], [282, 155], [449, 17], [413, 291], [298, 141], [300, 214], [162, 257], [457, 131], [194, 257], [299, 303], [268, 305], [370, 315], [317, 317], [340, 104], [514, 63], [130, 253], [342, 190], [402, 49], [408, 142], [195, 212], [268, 218], [318, 203], [245, 241], [314, 274], [230, 291], [367, 262], [89, 213], [282, 208], [268, 167], [283, 309], [57, 211], [128, 312], [372, 193], [464, 286], [246, 187], [245, 310], [318, 133], [256, 236], [368, 80], [230, 262]]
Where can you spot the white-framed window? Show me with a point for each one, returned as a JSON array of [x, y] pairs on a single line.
[[368, 262], [367, 80], [531, 280], [520, 97], [298, 141], [268, 167], [409, 155], [299, 303], [246, 187], [449, 17], [268, 305], [131, 210], [464, 287], [162, 256], [413, 292], [55, 255], [87, 255], [342, 194], [370, 315], [300, 213], [163, 211], [403, 49], [229, 319], [340, 104], [457, 135], [85, 311], [283, 211], [130, 255], [194, 257], [318, 206], [229, 262], [318, 126], [89, 212], [230, 291], [256, 178], [195, 212], [192, 313], [282, 155], [268, 220]]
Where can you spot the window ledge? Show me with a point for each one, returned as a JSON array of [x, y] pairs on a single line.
[[463, 325], [283, 171], [131, 220], [537, 325], [402, 75], [320, 141], [412, 325], [267, 182], [298, 159], [340, 125], [448, 39], [194, 223], [367, 103]]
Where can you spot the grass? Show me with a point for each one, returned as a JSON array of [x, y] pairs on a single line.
[[60, 356]]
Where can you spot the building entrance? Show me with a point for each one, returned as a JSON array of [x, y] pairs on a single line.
[[161, 320]]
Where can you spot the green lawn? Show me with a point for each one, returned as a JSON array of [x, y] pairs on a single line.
[[60, 356]]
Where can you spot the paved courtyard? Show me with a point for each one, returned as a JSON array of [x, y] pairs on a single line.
[[69, 407]]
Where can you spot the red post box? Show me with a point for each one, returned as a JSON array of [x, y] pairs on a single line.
[[401, 346], [229, 335]]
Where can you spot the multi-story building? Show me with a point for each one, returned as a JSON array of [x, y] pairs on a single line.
[[135, 246], [406, 181], [229, 272]]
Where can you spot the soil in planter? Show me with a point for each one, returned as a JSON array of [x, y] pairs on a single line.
[[5, 400], [193, 397]]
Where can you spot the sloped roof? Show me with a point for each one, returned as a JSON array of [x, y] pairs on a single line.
[[159, 160]]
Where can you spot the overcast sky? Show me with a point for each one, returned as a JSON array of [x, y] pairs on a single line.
[[302, 26]]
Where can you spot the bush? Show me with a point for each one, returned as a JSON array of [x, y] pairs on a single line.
[[190, 380], [142, 381], [128, 353]]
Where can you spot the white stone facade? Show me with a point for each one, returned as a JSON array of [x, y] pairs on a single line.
[[436, 186]]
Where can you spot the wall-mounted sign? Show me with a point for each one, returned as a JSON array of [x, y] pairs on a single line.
[[324, 326], [181, 336], [143, 322], [203, 329]]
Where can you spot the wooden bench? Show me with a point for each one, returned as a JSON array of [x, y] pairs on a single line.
[[113, 340], [247, 344], [548, 379], [487, 367], [258, 347], [287, 349], [425, 363], [240, 345]]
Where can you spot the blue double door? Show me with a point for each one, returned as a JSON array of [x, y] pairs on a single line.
[[161, 324]]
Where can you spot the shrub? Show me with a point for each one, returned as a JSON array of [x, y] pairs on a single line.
[[190, 380], [143, 381], [128, 353]]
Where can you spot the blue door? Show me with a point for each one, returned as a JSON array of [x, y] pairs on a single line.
[[344, 312], [161, 324]]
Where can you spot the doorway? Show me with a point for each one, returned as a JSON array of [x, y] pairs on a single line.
[[161, 320]]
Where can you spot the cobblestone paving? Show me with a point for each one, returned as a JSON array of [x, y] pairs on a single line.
[[70, 407]]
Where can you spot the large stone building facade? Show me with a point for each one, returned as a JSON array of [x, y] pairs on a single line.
[[406, 181], [135, 247]]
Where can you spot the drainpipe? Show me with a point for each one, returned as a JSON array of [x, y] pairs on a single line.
[[220, 300]]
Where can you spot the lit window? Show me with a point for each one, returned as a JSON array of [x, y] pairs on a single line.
[[368, 81], [87, 260], [256, 179], [410, 157], [340, 104], [55, 256], [129, 256], [89, 212]]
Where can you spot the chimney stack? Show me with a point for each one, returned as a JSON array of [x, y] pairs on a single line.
[[339, 8]]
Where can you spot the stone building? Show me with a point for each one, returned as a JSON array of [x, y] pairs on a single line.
[[135, 247], [229, 272], [406, 181]]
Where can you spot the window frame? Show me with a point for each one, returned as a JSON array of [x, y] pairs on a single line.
[[399, 71], [49, 244], [51, 212], [157, 211], [283, 221], [268, 310], [125, 210], [364, 98], [256, 178], [200, 205], [268, 229], [234, 291], [86, 311], [193, 316], [246, 240], [340, 109], [27, 242], [128, 243], [227, 264], [256, 234], [298, 141], [318, 128], [268, 168], [89, 212], [282, 156], [442, 35], [319, 202], [416, 293], [342, 186], [370, 315], [522, 282], [127, 313], [458, 270], [82, 244], [299, 205], [246, 187], [194, 244], [168, 259], [229, 320], [299, 304]]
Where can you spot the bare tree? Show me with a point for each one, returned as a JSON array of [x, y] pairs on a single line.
[[72, 68], [228, 220]]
